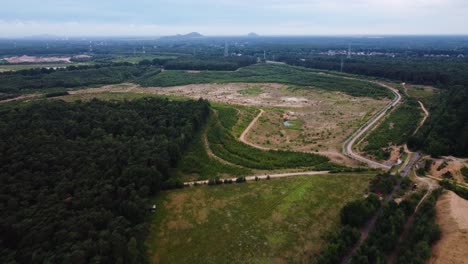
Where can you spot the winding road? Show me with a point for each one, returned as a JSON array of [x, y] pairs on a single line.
[[349, 143]]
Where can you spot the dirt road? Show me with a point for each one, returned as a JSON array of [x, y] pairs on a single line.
[[265, 176], [247, 130], [426, 115], [349, 143]]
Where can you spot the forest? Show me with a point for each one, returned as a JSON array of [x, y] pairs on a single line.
[[446, 130], [76, 178], [71, 77]]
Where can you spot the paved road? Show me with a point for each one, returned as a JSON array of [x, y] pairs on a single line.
[[349, 143]]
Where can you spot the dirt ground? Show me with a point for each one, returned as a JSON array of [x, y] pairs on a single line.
[[318, 121], [34, 59], [453, 166], [452, 216]]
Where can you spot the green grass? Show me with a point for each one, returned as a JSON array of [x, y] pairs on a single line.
[[226, 146], [197, 165], [252, 90], [427, 95], [295, 124], [271, 73], [235, 118], [280, 220], [464, 172], [395, 129]]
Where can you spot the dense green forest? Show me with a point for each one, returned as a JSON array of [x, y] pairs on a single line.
[[76, 178], [442, 72], [383, 241], [446, 130], [37, 79]]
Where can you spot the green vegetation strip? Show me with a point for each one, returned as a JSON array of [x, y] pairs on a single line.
[[394, 130], [258, 222], [271, 73]]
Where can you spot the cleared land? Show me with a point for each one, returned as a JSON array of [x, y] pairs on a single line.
[[298, 119], [452, 216], [425, 94], [281, 220], [448, 168]]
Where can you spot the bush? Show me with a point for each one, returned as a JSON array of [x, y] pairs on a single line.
[[383, 183], [337, 245], [356, 213], [56, 94], [240, 180]]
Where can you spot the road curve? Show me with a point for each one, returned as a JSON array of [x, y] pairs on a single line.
[[247, 130], [349, 143]]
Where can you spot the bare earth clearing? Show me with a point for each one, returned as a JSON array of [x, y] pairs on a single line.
[[317, 121], [452, 216], [453, 166]]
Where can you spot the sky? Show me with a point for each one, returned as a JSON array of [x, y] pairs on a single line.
[[232, 17]]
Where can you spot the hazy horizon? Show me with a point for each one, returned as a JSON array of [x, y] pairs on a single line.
[[233, 18]]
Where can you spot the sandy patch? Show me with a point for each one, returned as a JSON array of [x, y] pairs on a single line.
[[452, 216], [453, 166]]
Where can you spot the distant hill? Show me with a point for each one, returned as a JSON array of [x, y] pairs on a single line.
[[191, 35], [253, 35]]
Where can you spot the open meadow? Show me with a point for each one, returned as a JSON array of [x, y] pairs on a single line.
[[281, 220]]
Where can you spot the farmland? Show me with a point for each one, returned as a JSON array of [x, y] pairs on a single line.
[[281, 220]]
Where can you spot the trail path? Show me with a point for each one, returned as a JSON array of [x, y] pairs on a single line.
[[426, 115], [247, 130]]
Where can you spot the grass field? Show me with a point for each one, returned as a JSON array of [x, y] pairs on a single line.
[[425, 94], [268, 73], [394, 130], [252, 90], [275, 221], [196, 164]]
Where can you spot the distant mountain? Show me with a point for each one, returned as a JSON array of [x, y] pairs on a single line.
[[191, 35], [253, 35]]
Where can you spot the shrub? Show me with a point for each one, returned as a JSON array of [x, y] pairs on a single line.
[[240, 179]]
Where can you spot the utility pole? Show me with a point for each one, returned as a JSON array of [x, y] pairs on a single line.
[[264, 55], [226, 49], [342, 64], [349, 51]]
